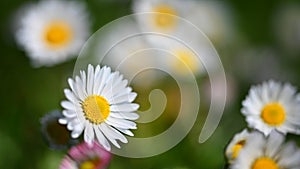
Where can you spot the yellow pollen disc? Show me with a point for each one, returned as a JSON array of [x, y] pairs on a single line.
[[57, 34], [273, 114], [237, 148], [163, 18], [265, 163], [89, 164], [185, 59], [96, 109]]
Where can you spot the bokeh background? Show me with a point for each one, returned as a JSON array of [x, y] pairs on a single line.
[[265, 46]]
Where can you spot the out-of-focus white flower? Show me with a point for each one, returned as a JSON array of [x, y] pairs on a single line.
[[100, 104], [236, 145], [287, 27], [273, 106], [127, 51], [53, 31], [267, 153], [180, 58], [211, 17]]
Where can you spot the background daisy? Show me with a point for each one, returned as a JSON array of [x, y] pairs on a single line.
[[236, 145], [211, 17], [272, 106], [99, 103], [268, 153], [53, 31]]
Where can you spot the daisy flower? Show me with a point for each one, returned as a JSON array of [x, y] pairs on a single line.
[[236, 145], [53, 31], [130, 56], [272, 106], [268, 153], [84, 156], [100, 104], [163, 16]]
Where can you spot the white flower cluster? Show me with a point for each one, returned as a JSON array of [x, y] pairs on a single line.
[[272, 110]]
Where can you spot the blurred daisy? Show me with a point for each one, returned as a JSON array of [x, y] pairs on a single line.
[[268, 153], [272, 106], [184, 60], [213, 18], [179, 58], [84, 156], [99, 103], [131, 56], [56, 135], [164, 14], [236, 145], [53, 31]]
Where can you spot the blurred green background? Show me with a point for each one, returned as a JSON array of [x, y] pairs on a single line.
[[255, 55]]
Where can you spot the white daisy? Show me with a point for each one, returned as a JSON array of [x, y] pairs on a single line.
[[164, 13], [181, 58], [268, 153], [272, 106], [128, 53], [236, 145], [99, 103], [210, 17], [53, 31]]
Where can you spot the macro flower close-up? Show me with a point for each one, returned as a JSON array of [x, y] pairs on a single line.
[[150, 84], [268, 153], [273, 106], [99, 103]]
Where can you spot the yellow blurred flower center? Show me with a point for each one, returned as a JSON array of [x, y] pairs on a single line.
[[273, 114], [96, 109], [185, 59], [265, 163], [58, 34], [89, 164], [237, 148], [163, 18]]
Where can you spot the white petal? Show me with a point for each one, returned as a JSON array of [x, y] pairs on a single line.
[[69, 113], [125, 115], [63, 121], [120, 123], [70, 95], [77, 130], [89, 134], [114, 133], [109, 136], [124, 107], [102, 140], [125, 131], [79, 88], [68, 105], [90, 79], [124, 98]]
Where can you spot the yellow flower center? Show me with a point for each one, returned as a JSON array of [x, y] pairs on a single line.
[[96, 109], [57, 34], [163, 18], [273, 114], [185, 59], [237, 148], [89, 164], [265, 163]]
